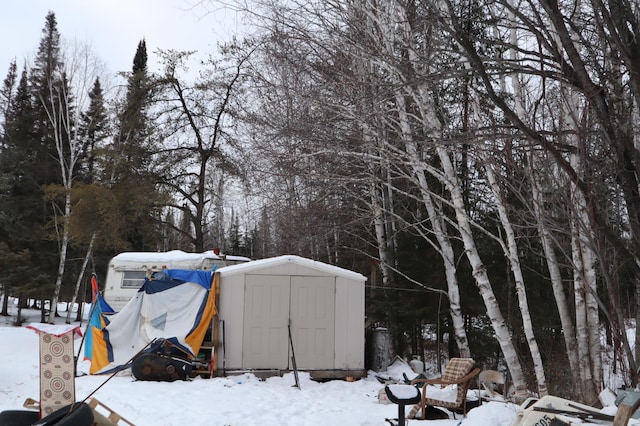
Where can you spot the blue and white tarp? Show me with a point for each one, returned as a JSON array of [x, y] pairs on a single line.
[[176, 305]]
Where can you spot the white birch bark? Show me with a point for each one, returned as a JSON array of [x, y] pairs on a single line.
[[584, 283], [587, 320], [83, 70], [480, 275], [555, 276], [381, 238], [386, 22], [439, 230], [85, 262], [60, 121], [379, 187], [520, 101], [516, 270], [376, 194], [582, 332], [449, 178]]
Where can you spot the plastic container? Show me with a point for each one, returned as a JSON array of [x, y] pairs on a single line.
[[417, 365]]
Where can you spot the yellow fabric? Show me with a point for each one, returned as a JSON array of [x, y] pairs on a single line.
[[99, 354], [197, 336]]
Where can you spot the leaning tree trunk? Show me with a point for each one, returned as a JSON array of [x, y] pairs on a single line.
[[64, 244], [503, 335], [451, 181], [449, 178], [80, 277], [514, 261], [555, 275], [439, 231]]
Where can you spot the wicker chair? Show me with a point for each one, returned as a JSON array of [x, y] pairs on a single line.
[[459, 372]]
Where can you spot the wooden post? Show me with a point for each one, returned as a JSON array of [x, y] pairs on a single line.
[[215, 325], [625, 411]]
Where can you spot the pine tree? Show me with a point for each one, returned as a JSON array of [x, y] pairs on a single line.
[[6, 94], [131, 154], [132, 133], [22, 226], [44, 75], [94, 129]]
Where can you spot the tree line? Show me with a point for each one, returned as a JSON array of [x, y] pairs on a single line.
[[484, 153], [476, 160], [90, 169]]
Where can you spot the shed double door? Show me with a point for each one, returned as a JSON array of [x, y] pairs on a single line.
[[270, 301]]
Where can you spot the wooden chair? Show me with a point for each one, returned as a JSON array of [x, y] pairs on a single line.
[[459, 372]]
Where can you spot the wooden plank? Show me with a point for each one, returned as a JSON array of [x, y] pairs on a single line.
[[113, 417], [215, 325], [625, 411]]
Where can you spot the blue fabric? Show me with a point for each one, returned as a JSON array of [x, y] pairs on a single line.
[[169, 278], [157, 286], [201, 309], [101, 306], [202, 278]]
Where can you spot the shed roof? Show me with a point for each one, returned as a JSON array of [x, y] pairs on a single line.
[[256, 265]]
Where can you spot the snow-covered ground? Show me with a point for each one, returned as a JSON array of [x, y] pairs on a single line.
[[239, 400]]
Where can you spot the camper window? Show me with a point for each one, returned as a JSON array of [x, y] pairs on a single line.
[[133, 279]]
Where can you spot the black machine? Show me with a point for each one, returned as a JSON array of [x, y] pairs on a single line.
[[162, 362]]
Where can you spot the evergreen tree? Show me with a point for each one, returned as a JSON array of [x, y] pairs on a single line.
[[45, 75], [94, 129], [49, 89], [131, 159], [22, 226], [131, 139], [6, 94]]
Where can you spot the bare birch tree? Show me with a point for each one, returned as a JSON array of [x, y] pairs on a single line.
[[67, 91], [562, 60], [515, 60]]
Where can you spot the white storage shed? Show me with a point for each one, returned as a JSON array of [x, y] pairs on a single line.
[[323, 304]]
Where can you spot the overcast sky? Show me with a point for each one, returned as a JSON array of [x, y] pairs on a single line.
[[113, 28]]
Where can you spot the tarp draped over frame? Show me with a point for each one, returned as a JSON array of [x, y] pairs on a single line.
[[174, 304], [97, 320]]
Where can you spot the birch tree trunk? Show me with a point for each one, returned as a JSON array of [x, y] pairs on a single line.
[[448, 177], [67, 94], [554, 270], [483, 283], [587, 327], [58, 113], [514, 261], [381, 237], [555, 276], [439, 230], [386, 19], [85, 262], [62, 261]]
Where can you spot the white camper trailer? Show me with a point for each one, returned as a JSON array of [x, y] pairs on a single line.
[[126, 272]]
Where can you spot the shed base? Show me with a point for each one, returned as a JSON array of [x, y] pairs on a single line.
[[318, 375]]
